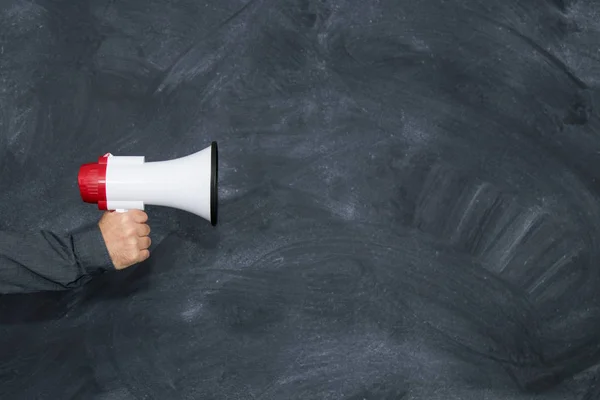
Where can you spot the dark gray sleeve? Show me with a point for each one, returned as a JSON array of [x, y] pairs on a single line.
[[47, 261]]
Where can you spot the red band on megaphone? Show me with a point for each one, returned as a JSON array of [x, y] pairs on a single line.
[[92, 182]]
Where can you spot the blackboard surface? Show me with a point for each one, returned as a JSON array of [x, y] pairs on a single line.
[[409, 198]]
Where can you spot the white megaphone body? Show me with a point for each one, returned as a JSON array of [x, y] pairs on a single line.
[[124, 183]]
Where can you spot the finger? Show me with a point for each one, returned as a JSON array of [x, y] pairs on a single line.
[[139, 216], [144, 242], [143, 230], [144, 254]]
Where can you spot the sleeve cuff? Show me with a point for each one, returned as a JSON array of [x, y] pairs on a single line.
[[90, 250]]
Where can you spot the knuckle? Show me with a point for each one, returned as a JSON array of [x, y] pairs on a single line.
[[133, 255]]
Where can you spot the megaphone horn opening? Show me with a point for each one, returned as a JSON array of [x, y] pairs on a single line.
[[214, 187]]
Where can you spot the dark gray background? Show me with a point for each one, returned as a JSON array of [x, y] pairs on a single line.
[[409, 198]]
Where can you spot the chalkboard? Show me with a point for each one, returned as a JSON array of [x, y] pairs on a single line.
[[408, 198]]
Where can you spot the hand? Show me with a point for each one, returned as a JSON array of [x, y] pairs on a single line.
[[126, 237]]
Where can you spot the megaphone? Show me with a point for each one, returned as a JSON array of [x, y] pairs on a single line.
[[122, 183]]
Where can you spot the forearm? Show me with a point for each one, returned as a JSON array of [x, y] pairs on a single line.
[[46, 261]]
